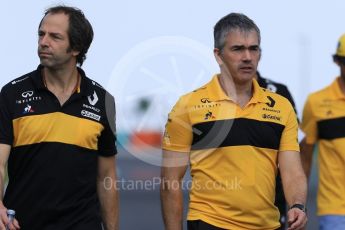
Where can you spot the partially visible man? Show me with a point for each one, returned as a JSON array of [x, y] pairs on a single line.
[[57, 133], [233, 133], [275, 87], [323, 123], [283, 90]]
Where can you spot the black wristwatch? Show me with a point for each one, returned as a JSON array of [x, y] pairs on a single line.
[[299, 206]]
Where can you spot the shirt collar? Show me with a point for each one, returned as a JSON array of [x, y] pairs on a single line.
[[84, 86], [260, 94], [37, 78], [335, 90], [216, 93]]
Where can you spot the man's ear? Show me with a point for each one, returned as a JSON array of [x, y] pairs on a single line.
[[75, 53], [218, 55]]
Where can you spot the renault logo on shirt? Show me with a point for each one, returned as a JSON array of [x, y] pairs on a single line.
[[27, 94], [271, 103], [93, 100]]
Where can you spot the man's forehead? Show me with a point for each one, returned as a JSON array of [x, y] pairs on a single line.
[[56, 20], [243, 37]]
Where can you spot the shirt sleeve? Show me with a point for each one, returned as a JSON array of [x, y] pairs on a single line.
[[106, 141], [6, 127], [289, 139], [308, 125], [178, 129]]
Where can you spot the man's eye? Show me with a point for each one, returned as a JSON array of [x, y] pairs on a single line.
[[255, 48], [239, 49]]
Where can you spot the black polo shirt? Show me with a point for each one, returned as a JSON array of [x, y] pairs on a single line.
[[282, 90], [276, 87], [52, 166]]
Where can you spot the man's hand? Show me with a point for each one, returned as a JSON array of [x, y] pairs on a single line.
[[297, 219], [4, 221]]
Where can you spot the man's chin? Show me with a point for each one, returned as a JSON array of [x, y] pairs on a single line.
[[45, 63], [244, 78]]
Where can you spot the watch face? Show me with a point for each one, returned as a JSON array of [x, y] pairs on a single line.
[[299, 206]]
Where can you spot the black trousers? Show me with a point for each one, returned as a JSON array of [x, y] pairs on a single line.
[[201, 225], [280, 202]]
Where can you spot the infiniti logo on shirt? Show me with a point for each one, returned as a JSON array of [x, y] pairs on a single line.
[[27, 94]]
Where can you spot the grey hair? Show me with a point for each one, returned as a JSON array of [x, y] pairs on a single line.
[[231, 22]]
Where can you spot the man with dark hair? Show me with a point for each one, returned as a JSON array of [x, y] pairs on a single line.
[[233, 133], [275, 87], [323, 123], [57, 133], [283, 90], [79, 32]]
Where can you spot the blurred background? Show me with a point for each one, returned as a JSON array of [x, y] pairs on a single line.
[[148, 53]]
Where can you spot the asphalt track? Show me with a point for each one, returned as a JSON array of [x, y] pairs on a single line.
[[139, 195]]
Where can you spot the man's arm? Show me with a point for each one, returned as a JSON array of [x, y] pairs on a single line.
[[173, 169], [4, 154], [295, 186], [107, 192], [306, 156]]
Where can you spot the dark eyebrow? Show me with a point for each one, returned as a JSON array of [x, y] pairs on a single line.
[[241, 47], [256, 47], [56, 34], [51, 34]]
